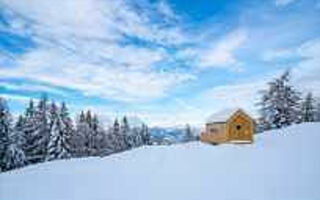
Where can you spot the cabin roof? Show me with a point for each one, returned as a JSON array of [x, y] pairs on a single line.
[[222, 115]]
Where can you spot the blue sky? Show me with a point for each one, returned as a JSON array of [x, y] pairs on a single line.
[[166, 61]]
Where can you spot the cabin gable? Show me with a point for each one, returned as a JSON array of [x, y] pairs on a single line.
[[240, 127]]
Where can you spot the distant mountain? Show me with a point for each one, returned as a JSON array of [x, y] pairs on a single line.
[[170, 135]]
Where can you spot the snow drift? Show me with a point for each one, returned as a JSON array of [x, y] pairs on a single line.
[[281, 164]]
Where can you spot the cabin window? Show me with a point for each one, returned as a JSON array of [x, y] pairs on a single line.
[[213, 130]]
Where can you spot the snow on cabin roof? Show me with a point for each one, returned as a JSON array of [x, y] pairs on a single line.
[[222, 115]]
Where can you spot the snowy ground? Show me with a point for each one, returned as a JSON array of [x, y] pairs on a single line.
[[281, 164]]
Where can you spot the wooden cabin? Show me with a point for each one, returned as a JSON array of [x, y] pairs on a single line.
[[229, 126]]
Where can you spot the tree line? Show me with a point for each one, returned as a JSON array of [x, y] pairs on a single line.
[[282, 105], [46, 132]]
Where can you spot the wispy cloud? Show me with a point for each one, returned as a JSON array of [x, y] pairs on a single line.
[[306, 66], [244, 95], [277, 54], [165, 9], [307, 72], [108, 81], [83, 47], [31, 87], [221, 53], [15, 97], [283, 2]]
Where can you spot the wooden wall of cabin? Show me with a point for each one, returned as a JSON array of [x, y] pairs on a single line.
[[240, 127], [215, 133]]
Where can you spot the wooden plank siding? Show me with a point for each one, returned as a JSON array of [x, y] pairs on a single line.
[[215, 133], [239, 128]]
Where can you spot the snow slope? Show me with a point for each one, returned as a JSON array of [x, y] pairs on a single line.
[[282, 164]]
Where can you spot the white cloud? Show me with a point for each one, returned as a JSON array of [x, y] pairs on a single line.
[[306, 71], [81, 18], [221, 54], [197, 108], [306, 74], [283, 2], [79, 46], [108, 81], [16, 98], [276, 54], [243, 95], [32, 87], [99, 19], [165, 9]]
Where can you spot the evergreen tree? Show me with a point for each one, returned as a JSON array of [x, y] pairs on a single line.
[[280, 104], [67, 128], [14, 155], [318, 112], [19, 130], [28, 127], [124, 132], [125, 125], [57, 146], [80, 138], [99, 137], [309, 112], [145, 134], [117, 140], [41, 135], [138, 135], [89, 133], [95, 123], [5, 131], [11, 140], [110, 146], [189, 136], [89, 118], [130, 140], [82, 117]]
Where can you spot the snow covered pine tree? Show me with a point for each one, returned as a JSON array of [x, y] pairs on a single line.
[[5, 129], [308, 109], [67, 128], [80, 138], [11, 140], [189, 136], [98, 137], [41, 132], [28, 129], [318, 111], [14, 155], [56, 148], [280, 104]]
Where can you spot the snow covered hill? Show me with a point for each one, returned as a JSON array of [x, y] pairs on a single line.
[[282, 164]]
